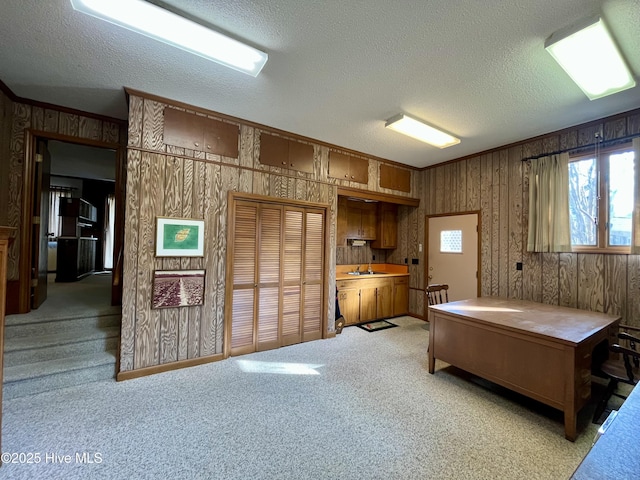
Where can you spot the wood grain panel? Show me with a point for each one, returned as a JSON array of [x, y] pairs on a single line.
[[153, 124], [69, 124], [550, 278], [461, 186], [51, 120], [633, 124], [136, 121], [591, 282], [37, 118], [186, 263], [110, 132], [496, 223], [197, 210], [146, 338], [473, 184], [516, 193], [90, 128], [130, 262], [632, 315], [615, 284], [568, 280], [486, 197], [615, 128]]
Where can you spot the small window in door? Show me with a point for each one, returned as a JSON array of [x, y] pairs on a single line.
[[451, 241]]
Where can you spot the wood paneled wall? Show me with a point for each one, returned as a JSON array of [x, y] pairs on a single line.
[[25, 116], [167, 181], [6, 114], [497, 183]]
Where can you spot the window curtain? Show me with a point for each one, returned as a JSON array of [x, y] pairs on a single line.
[[635, 244], [55, 194], [109, 227], [549, 227]]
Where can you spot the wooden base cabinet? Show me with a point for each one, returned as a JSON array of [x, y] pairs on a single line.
[[366, 299], [400, 296], [277, 275]]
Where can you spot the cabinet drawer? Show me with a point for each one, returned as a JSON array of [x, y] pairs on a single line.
[[345, 284], [401, 280]]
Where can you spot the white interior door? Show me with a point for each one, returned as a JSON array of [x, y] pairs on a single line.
[[452, 254]]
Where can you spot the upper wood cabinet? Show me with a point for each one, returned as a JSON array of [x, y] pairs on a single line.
[[361, 220], [395, 178], [188, 130], [284, 153], [346, 167], [387, 226]]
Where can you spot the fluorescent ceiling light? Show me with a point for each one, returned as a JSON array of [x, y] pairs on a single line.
[[167, 27], [588, 53], [421, 131]]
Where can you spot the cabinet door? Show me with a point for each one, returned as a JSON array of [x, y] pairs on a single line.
[[221, 138], [268, 293], [354, 221], [349, 301], [244, 278], [401, 296], [384, 299], [183, 129], [387, 226], [292, 276], [368, 221], [368, 304], [300, 156], [313, 277], [339, 165], [359, 170], [274, 150]]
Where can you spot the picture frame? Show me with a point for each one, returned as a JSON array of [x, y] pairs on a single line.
[[179, 237], [177, 288]]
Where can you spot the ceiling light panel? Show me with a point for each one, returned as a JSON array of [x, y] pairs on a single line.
[[589, 55], [421, 131], [167, 27]]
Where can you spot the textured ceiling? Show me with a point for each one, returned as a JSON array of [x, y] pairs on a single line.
[[337, 69]]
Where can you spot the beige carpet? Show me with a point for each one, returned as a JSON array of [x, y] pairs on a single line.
[[360, 406]]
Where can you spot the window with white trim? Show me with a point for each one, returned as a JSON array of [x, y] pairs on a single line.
[[601, 190]]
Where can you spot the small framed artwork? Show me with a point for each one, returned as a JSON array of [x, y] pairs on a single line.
[[179, 237], [177, 288]]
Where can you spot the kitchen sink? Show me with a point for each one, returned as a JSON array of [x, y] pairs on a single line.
[[366, 273]]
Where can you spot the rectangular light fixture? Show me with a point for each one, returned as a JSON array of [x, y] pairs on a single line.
[[421, 131], [167, 27], [588, 53]]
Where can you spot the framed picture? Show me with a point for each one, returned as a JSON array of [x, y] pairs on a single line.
[[177, 288], [179, 237]]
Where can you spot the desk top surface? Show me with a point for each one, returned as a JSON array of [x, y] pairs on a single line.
[[566, 324], [616, 454]]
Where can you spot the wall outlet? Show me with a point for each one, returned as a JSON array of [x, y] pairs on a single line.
[[406, 260], [414, 261], [518, 265]]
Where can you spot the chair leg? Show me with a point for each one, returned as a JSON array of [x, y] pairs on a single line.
[[602, 404]]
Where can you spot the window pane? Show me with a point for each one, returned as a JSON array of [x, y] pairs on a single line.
[[620, 198], [583, 201], [451, 241]]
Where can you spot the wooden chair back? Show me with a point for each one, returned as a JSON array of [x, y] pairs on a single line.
[[437, 293]]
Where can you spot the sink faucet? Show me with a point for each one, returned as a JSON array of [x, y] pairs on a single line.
[[357, 270], [370, 271]]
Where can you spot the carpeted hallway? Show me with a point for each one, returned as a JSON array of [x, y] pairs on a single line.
[[360, 406]]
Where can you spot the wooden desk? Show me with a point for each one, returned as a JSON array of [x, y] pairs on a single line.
[[541, 351]]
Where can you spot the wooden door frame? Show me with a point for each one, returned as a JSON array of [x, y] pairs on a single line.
[[232, 198], [28, 186], [478, 215]]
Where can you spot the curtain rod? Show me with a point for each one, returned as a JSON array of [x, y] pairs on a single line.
[[584, 147]]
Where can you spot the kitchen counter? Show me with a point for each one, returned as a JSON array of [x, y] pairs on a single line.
[[384, 270]]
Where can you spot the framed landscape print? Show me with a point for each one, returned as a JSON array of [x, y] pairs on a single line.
[[177, 288], [179, 237]]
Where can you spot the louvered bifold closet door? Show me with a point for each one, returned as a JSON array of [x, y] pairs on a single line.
[[269, 276], [292, 278], [244, 278], [313, 274]]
